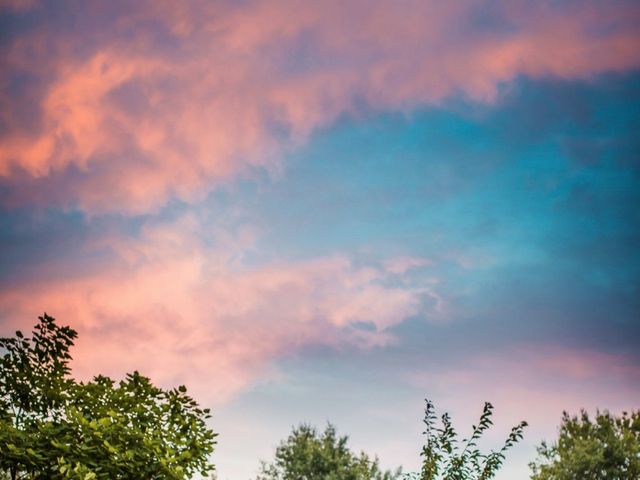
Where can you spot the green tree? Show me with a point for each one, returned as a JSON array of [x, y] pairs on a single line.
[[52, 427], [445, 458], [308, 455], [607, 447]]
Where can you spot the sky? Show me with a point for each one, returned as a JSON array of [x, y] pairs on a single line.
[[330, 211]]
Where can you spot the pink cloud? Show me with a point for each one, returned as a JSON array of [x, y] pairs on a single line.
[[183, 312], [528, 382], [535, 383], [18, 5], [165, 100]]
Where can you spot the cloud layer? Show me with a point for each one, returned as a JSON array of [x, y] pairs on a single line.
[[122, 106]]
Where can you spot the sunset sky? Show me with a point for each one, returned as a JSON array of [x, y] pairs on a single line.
[[328, 211]]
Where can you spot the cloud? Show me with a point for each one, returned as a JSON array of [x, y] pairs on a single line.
[[121, 107], [17, 5], [185, 312], [400, 265], [535, 382]]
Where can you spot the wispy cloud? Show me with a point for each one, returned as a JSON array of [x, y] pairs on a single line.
[[181, 311]]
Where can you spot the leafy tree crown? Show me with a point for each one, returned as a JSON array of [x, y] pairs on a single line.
[[52, 427], [309, 455], [444, 457], [605, 447]]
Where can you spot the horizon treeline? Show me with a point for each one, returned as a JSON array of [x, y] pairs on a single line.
[[54, 427]]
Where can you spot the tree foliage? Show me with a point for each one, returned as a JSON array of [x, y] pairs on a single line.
[[607, 447], [444, 457], [52, 427], [308, 455]]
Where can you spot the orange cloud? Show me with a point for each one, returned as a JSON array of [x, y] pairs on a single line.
[[162, 100]]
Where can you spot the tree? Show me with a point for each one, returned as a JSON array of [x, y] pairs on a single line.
[[307, 455], [443, 458], [52, 427], [607, 447]]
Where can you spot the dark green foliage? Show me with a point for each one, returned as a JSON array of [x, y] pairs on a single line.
[[445, 458], [307, 455], [33, 379], [52, 427], [607, 447]]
